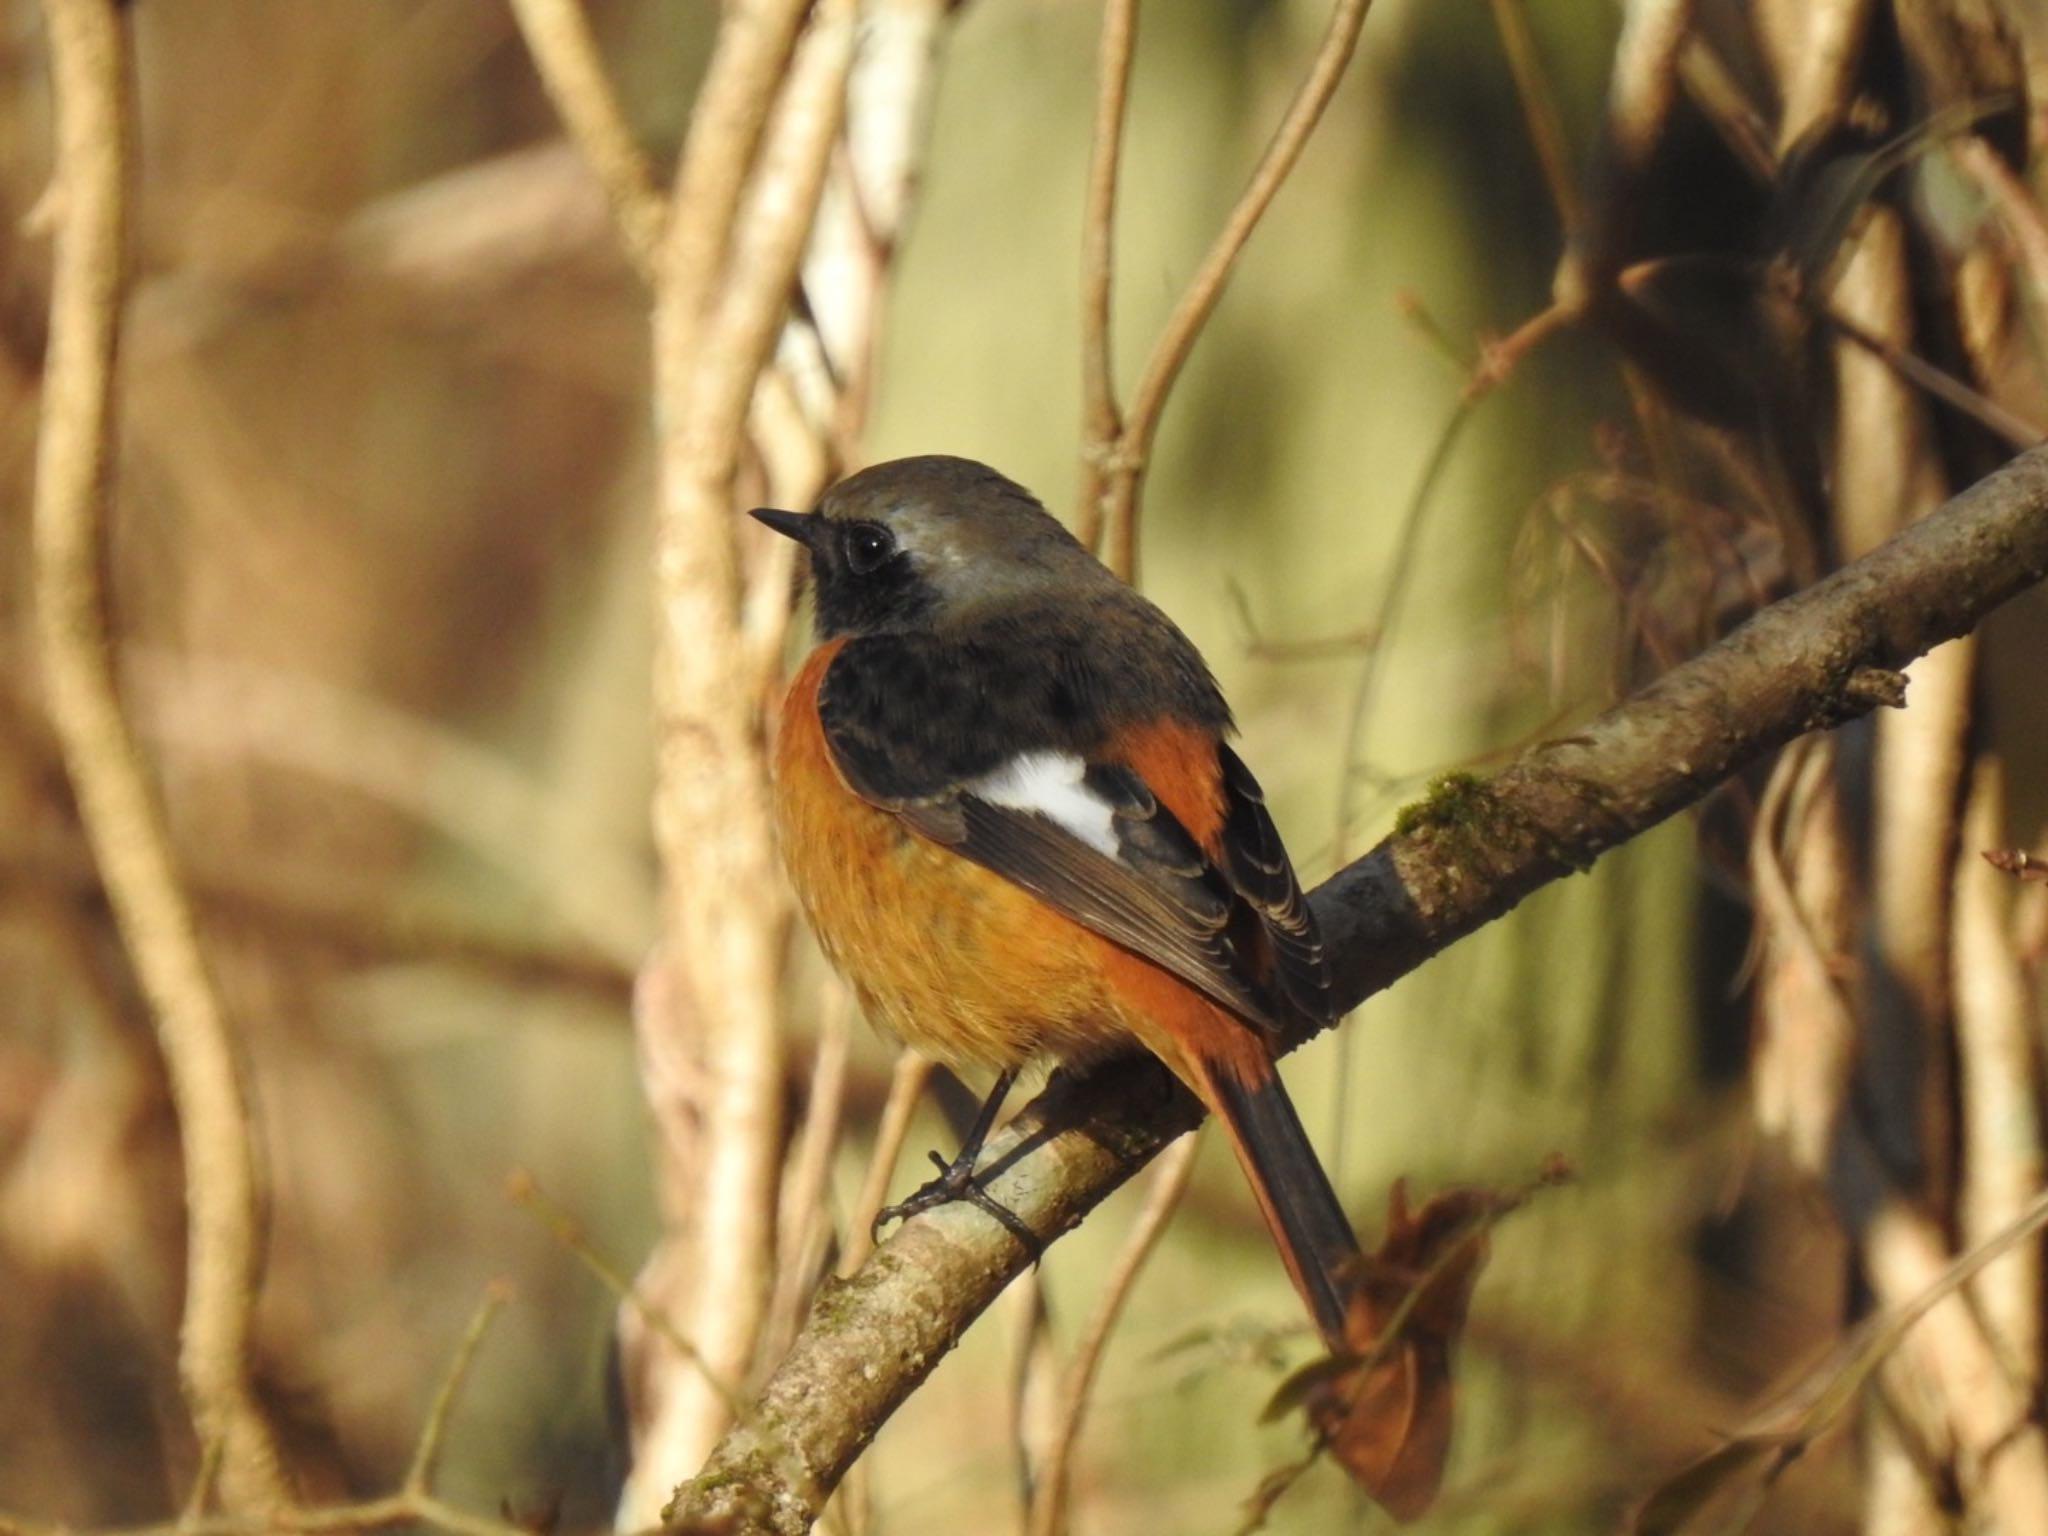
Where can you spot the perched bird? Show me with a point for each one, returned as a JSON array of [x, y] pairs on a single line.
[[1006, 801]]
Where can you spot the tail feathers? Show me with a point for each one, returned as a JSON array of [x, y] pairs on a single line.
[[1308, 1225]]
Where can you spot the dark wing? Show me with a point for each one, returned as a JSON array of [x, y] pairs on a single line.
[[1157, 895], [1262, 874], [913, 734]]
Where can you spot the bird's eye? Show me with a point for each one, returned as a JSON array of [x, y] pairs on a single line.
[[867, 546]]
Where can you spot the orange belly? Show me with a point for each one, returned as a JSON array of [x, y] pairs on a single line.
[[965, 966]]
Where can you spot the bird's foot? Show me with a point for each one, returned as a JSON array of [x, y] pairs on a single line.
[[956, 1182]]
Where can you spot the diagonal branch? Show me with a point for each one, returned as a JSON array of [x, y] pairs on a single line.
[[1465, 856], [559, 38]]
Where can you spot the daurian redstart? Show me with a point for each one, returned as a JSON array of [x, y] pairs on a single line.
[[1006, 801]]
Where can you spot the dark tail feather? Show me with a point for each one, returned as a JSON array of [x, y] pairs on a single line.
[[1308, 1225]]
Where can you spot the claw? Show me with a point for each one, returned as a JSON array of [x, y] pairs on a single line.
[[956, 1182]]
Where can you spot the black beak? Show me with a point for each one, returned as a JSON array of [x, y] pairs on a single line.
[[804, 527]]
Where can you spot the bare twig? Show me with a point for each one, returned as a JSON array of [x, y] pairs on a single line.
[[1539, 112], [426, 1456], [723, 261], [1169, 1182], [356, 928], [1499, 358], [868, 197], [644, 1311], [558, 37], [1115, 482], [122, 820], [1394, 590], [1463, 858], [2005, 1463], [804, 1223], [1804, 1409], [2018, 863], [1033, 1374], [1938, 383], [524, 1191], [1101, 422], [906, 1087]]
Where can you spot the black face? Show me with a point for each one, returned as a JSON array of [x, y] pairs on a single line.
[[865, 583]]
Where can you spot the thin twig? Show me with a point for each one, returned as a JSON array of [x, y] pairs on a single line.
[[1034, 1366], [558, 37], [804, 1222], [1806, 1024], [1539, 112], [1169, 1182], [524, 1191], [1364, 695], [1184, 325], [426, 1456], [353, 928], [1400, 573], [906, 1087], [1499, 358], [1101, 422], [2005, 1461], [212, 707], [1943, 386], [122, 820]]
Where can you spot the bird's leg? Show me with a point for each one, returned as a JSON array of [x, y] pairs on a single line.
[[956, 1179]]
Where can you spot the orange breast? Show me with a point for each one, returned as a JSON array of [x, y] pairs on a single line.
[[960, 963]]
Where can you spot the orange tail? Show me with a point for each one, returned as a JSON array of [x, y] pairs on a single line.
[[1308, 1225]]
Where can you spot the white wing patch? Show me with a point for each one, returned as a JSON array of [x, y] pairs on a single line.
[[1049, 784]]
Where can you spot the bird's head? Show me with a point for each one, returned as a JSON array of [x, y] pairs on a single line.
[[930, 543]]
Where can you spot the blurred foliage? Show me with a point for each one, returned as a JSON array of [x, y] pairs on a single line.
[[383, 570]]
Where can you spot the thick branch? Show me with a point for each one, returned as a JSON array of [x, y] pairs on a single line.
[[717, 313], [1466, 856]]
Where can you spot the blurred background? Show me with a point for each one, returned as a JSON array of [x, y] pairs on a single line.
[[382, 562]]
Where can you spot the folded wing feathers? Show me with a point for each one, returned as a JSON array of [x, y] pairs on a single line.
[[1169, 901], [1185, 935], [1259, 870]]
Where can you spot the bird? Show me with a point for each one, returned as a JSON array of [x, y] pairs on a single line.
[[1005, 795]]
